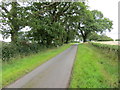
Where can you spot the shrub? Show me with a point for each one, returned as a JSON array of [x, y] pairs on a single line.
[[114, 48], [117, 40], [111, 51], [10, 50]]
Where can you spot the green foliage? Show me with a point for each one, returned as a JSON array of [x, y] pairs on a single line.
[[12, 20], [114, 48], [117, 40], [101, 23], [94, 36], [93, 21], [104, 38], [10, 51], [50, 23], [75, 42]]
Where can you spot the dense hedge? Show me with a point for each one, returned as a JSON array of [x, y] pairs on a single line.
[[10, 51], [117, 40], [114, 48], [105, 40]]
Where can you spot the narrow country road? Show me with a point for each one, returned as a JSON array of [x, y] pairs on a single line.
[[55, 73]]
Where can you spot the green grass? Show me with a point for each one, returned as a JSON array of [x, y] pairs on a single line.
[[93, 69], [17, 68], [0, 69]]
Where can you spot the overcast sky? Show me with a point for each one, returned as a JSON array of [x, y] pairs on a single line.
[[109, 8]]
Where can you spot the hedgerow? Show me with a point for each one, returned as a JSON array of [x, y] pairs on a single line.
[[114, 48], [108, 48], [111, 51], [10, 50]]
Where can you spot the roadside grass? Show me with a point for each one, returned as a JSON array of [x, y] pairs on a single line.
[[0, 68], [15, 69], [93, 69]]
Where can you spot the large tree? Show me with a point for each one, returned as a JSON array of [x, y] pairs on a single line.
[[93, 21], [54, 22], [12, 20]]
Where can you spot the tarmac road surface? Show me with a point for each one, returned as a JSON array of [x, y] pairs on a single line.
[[55, 73]]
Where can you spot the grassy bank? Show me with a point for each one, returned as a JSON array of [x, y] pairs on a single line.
[[94, 69], [17, 68]]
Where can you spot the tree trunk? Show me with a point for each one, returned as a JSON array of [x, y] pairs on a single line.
[[14, 23], [14, 36], [84, 39], [49, 41], [67, 39], [84, 35]]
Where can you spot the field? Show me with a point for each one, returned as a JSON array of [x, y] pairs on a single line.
[[94, 69], [110, 42]]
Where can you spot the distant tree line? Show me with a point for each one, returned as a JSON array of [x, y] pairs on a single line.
[[96, 37], [117, 40]]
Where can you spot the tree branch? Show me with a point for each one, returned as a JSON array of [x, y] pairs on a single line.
[[4, 9]]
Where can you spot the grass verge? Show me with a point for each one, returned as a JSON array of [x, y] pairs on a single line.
[[93, 69], [17, 68]]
